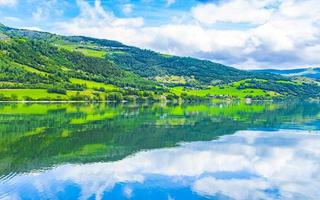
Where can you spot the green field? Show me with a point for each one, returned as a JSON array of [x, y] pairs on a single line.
[[93, 84], [34, 93], [85, 51], [38, 94], [33, 70], [290, 82], [92, 89], [227, 90]]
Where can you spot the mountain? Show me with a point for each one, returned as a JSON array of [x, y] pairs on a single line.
[[43, 66], [146, 63], [305, 72]]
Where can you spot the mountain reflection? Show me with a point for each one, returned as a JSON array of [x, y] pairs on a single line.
[[196, 151]]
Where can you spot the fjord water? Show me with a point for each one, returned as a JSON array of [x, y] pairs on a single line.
[[199, 151]]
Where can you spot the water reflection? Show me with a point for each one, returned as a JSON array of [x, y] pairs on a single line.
[[101, 151], [247, 165]]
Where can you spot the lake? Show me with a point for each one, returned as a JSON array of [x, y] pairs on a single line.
[[188, 151]]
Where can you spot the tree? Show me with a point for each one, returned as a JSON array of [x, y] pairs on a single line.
[[14, 97], [114, 96]]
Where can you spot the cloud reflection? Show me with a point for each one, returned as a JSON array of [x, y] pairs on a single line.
[[247, 165]]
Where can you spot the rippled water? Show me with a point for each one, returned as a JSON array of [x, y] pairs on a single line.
[[216, 151]]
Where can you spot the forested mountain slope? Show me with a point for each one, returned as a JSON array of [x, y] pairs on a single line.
[[44, 66], [146, 63]]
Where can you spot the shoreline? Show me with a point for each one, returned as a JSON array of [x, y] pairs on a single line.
[[151, 102]]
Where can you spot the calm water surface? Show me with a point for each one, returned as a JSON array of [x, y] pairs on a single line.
[[212, 151]]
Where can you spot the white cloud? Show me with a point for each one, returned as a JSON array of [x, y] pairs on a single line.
[[9, 3], [47, 9], [236, 11], [12, 19], [312, 53], [260, 33], [127, 192], [170, 2], [127, 9], [39, 14], [95, 21], [250, 189]]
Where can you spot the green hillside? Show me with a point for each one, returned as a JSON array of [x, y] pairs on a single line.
[[43, 66]]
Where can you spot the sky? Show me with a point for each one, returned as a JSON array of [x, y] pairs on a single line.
[[247, 34]]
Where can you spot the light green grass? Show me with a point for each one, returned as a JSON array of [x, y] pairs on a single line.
[[289, 82], [33, 93], [93, 84], [244, 81], [37, 94], [226, 90], [85, 51], [171, 79], [33, 70], [92, 53]]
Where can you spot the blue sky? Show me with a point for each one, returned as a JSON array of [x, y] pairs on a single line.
[[242, 33], [154, 12]]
